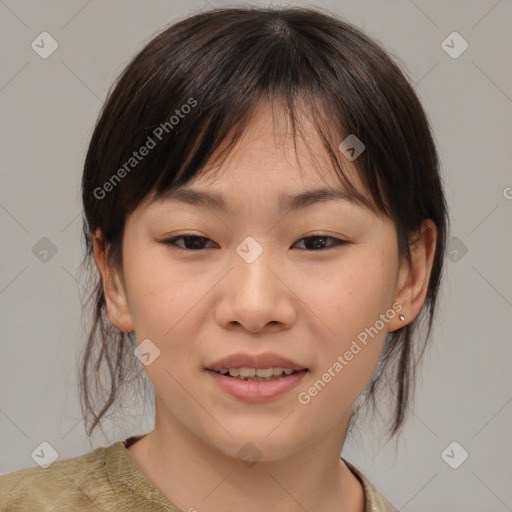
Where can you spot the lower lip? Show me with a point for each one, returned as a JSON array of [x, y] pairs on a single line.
[[257, 391]]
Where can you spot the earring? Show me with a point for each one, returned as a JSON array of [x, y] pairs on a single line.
[[402, 317]]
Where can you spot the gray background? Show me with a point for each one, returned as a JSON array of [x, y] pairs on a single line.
[[48, 109]]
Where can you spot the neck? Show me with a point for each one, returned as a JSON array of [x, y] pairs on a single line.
[[195, 475]]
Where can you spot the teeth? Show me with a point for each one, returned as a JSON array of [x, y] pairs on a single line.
[[253, 372], [267, 372], [246, 372]]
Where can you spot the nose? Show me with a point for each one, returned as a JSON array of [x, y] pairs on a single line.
[[256, 296]]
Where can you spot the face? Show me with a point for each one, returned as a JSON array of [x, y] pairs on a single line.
[[314, 285]]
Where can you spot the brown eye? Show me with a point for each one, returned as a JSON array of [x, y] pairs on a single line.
[[191, 242], [318, 242]]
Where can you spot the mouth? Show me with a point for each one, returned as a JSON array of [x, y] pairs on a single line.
[[255, 388], [256, 377], [257, 374]]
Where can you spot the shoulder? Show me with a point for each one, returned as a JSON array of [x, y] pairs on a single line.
[[75, 483], [375, 501]]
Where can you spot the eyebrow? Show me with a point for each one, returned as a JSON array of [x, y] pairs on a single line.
[[292, 202]]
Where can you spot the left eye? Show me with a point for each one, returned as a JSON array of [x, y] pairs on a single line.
[[320, 244], [196, 243]]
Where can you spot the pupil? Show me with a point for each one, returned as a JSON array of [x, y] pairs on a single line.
[[317, 242], [194, 241]]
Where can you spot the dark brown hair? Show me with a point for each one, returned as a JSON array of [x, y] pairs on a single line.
[[221, 64]]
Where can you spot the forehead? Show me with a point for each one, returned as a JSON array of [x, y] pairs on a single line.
[[286, 201], [269, 163]]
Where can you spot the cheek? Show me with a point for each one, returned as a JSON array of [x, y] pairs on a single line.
[[162, 304], [159, 296], [350, 306], [358, 291], [350, 342]]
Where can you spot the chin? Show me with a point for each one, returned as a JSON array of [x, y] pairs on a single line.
[[260, 447]]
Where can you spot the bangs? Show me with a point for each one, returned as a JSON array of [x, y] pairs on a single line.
[[304, 106]]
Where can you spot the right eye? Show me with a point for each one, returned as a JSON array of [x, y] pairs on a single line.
[[195, 242]]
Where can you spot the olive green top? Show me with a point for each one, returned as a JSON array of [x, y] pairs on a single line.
[[108, 480]]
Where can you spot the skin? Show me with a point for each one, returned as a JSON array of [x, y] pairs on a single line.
[[304, 303]]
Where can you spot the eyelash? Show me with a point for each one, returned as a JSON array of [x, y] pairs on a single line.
[[171, 242]]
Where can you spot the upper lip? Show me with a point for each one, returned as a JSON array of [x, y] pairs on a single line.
[[266, 360]]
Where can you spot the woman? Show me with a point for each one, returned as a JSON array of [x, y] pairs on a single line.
[[263, 205]]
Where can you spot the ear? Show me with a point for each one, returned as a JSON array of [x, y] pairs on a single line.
[[116, 299], [412, 282]]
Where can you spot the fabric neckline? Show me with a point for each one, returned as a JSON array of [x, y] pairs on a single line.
[[123, 470]]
